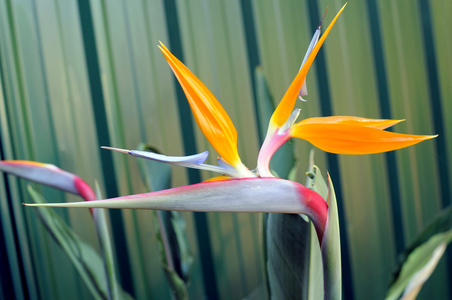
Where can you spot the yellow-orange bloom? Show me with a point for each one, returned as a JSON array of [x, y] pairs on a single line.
[[212, 119], [351, 135], [285, 107]]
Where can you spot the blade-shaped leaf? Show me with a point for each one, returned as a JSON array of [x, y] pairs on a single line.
[[441, 224], [85, 259], [331, 250], [288, 255], [418, 266], [103, 235], [316, 182], [168, 255], [184, 252]]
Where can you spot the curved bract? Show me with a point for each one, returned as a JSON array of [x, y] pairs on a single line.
[[235, 195], [49, 175]]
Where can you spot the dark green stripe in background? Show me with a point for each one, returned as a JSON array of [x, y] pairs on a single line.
[[438, 119], [189, 142], [6, 281], [24, 285], [103, 137], [435, 101], [252, 54], [385, 110]]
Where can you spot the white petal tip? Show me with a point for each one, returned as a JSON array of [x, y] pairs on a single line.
[[116, 149]]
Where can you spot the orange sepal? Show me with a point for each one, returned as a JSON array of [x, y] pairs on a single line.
[[374, 123], [212, 119], [28, 163], [285, 107], [219, 178], [353, 139]]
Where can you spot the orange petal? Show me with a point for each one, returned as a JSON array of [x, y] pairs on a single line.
[[28, 163], [219, 178], [352, 139], [374, 123], [212, 119], [285, 107]]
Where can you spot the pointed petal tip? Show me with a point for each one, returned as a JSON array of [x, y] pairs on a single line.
[[116, 149], [353, 139], [163, 48], [428, 137], [285, 106], [34, 204], [39, 204]]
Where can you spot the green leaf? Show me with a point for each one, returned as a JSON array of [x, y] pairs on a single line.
[[331, 250], [288, 255], [294, 262], [167, 258], [170, 228], [315, 286], [185, 256], [418, 266], [85, 259], [103, 234], [441, 224], [316, 182]]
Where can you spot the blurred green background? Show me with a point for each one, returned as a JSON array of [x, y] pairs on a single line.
[[77, 75]]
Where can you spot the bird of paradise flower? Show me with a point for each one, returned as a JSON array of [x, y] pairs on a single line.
[[240, 189]]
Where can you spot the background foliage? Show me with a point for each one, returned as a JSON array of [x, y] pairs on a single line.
[[76, 75]]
